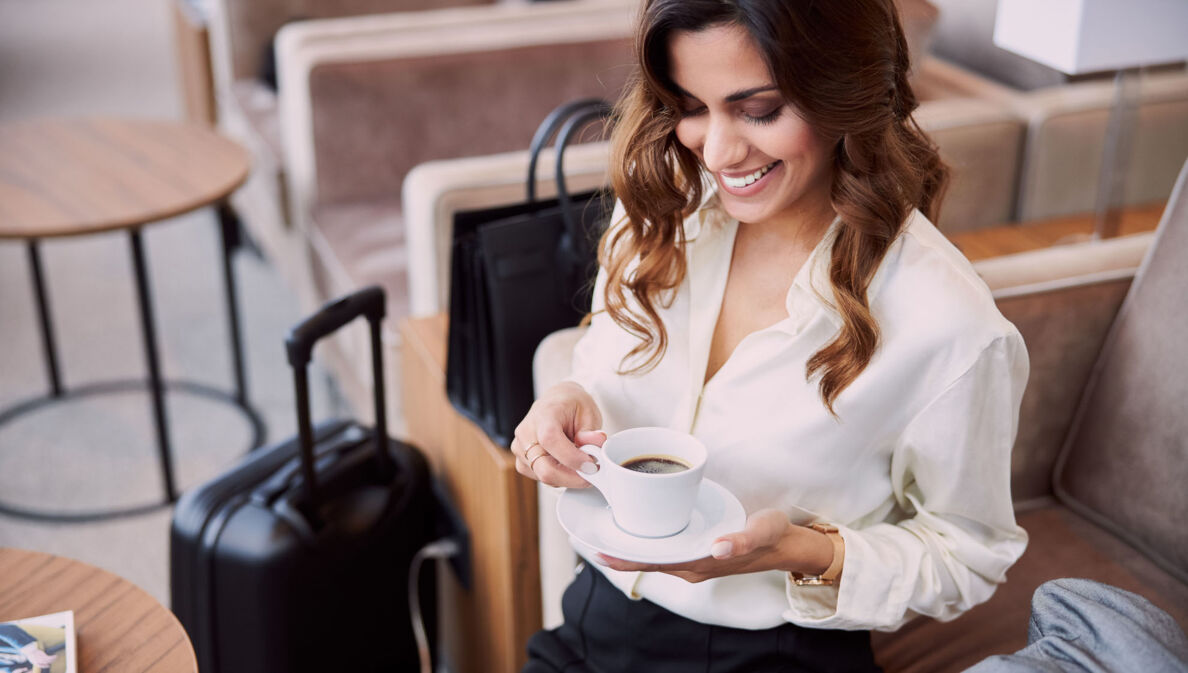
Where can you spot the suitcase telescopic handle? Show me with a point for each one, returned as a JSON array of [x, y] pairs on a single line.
[[369, 303]]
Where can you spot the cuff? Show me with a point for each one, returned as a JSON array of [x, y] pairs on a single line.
[[862, 598]]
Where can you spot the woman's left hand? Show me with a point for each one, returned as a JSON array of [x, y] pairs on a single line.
[[761, 545]]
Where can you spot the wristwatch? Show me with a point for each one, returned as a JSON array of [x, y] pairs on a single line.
[[829, 577]]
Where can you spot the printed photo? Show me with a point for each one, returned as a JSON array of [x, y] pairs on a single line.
[[38, 644]]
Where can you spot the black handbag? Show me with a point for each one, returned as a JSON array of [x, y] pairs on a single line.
[[518, 273]]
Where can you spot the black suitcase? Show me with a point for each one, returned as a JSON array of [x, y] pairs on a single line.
[[298, 558]]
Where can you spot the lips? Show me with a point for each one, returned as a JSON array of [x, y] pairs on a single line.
[[747, 183]]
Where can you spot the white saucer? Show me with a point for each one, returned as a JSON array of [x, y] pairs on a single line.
[[585, 515]]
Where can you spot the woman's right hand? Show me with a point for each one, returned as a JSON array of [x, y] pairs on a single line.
[[546, 441]]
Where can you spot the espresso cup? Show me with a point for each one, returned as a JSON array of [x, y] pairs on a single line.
[[650, 478]]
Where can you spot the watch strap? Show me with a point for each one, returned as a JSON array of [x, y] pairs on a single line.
[[833, 572]]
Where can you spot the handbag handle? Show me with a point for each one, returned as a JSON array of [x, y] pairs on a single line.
[[546, 131], [367, 302], [576, 122]]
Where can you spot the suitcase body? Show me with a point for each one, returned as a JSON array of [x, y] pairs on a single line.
[[297, 559]]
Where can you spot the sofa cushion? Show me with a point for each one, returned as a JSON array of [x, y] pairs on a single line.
[[1062, 545], [359, 244], [1126, 462], [1063, 300], [253, 23], [374, 121]]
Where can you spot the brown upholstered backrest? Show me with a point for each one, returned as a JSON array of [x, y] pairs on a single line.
[[1064, 329], [251, 24], [374, 121], [1125, 463]]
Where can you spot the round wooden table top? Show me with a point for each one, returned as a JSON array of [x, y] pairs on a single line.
[[118, 627], [62, 177]]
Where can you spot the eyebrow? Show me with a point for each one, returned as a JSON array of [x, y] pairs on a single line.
[[734, 97]]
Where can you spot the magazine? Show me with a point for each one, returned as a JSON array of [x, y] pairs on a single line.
[[38, 644]]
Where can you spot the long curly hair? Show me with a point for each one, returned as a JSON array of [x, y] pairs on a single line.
[[845, 66]]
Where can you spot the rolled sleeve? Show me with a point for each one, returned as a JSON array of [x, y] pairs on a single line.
[[950, 471]]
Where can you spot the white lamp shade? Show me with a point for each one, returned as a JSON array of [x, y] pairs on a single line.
[[1079, 36]]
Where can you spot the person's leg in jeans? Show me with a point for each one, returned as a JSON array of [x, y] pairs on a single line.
[[1082, 625]]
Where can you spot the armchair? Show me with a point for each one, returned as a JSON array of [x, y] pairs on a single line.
[[364, 99], [241, 37], [1099, 458], [1117, 501]]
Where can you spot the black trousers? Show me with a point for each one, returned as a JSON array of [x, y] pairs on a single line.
[[606, 632]]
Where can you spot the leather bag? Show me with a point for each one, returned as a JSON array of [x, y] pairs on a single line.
[[518, 273]]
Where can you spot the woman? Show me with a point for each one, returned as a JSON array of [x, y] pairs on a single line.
[[771, 284]]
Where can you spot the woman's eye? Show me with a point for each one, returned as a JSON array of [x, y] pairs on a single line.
[[765, 117], [692, 111]]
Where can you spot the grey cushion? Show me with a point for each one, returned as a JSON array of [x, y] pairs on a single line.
[[1125, 464]]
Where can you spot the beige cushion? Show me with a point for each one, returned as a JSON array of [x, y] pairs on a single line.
[[359, 110], [252, 24], [982, 142], [1066, 136], [1126, 462]]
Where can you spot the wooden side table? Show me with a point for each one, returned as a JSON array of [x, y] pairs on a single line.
[[489, 624], [119, 627], [72, 177]]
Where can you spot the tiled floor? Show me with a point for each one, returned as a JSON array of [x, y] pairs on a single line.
[[115, 58]]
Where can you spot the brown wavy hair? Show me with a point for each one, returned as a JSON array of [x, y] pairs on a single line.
[[844, 65]]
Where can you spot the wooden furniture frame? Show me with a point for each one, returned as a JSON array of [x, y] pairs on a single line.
[[488, 624]]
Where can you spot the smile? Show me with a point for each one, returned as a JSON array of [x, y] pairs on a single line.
[[748, 179]]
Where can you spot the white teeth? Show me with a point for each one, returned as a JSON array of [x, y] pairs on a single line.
[[747, 179]]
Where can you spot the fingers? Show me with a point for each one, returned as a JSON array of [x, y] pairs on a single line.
[[553, 438], [595, 437], [764, 528], [535, 462]]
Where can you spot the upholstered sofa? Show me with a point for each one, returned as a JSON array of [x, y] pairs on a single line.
[[1101, 456], [362, 99], [242, 34]]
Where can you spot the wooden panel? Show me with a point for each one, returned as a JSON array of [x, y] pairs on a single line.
[[192, 47], [1013, 238], [486, 627], [119, 628]]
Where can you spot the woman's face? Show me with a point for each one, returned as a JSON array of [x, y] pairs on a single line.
[[768, 162]]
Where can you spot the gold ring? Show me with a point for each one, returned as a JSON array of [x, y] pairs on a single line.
[[532, 461]]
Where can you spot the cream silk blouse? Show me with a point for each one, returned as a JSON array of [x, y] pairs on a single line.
[[915, 471]]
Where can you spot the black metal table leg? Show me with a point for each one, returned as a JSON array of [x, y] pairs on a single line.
[[229, 234], [155, 384], [156, 389], [48, 344]]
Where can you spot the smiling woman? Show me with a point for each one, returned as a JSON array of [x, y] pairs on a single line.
[[772, 167], [772, 285]]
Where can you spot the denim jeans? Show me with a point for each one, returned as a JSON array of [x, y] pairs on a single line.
[[1082, 625]]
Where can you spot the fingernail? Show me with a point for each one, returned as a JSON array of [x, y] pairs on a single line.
[[722, 548], [589, 467], [601, 560]]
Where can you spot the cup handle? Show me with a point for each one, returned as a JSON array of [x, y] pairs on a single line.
[[596, 477]]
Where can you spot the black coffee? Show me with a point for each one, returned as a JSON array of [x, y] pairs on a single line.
[[656, 464]]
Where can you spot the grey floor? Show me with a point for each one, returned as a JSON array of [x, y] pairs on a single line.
[[115, 57]]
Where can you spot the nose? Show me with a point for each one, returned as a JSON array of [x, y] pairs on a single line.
[[723, 146]]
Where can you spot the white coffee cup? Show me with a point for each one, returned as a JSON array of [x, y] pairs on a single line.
[[648, 504]]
